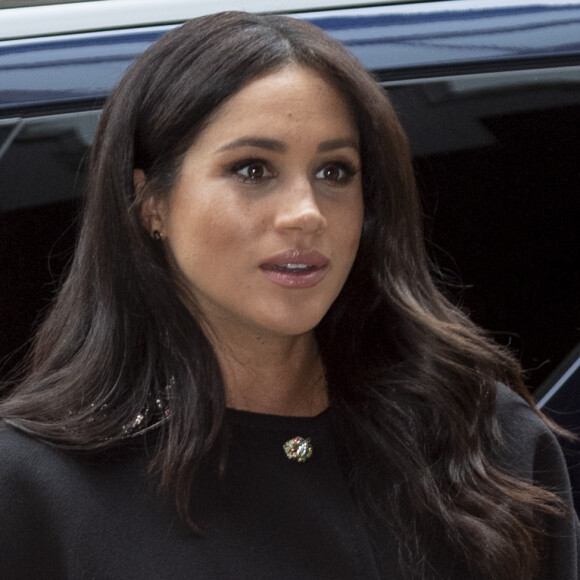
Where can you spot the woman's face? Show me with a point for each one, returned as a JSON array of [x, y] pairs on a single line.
[[265, 219]]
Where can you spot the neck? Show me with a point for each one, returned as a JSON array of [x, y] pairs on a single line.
[[282, 376]]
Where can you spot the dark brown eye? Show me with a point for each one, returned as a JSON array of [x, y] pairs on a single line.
[[255, 171], [331, 172], [252, 171], [335, 173]]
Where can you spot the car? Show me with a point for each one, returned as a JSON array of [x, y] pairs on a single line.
[[488, 91]]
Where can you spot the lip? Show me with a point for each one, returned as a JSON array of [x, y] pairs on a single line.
[[316, 267]]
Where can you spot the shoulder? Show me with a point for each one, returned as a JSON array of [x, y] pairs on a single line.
[[516, 417], [24, 459], [32, 475], [13, 441], [528, 448], [21, 454], [52, 502], [27, 540], [530, 451], [47, 471]]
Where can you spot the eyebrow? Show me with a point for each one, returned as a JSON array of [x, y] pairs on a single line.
[[337, 144], [279, 146], [261, 142]]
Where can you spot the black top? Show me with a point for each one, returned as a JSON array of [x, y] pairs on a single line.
[[98, 517]]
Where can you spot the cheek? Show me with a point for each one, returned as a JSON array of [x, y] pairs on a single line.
[[205, 241], [351, 225], [206, 231]]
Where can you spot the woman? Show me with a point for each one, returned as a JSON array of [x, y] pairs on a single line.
[[249, 372]]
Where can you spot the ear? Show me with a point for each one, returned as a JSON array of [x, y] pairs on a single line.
[[151, 206]]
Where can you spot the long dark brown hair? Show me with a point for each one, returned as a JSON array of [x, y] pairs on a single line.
[[411, 380]]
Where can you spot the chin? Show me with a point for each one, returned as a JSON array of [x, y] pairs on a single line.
[[293, 326]]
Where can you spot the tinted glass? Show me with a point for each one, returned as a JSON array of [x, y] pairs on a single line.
[[41, 181], [498, 161]]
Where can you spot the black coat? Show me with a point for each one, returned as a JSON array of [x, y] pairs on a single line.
[[98, 517]]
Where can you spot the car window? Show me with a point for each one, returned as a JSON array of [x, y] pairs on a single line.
[[42, 175], [498, 162]]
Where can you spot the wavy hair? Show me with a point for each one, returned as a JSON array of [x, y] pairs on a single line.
[[412, 381]]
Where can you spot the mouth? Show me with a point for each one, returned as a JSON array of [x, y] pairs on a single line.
[[296, 268]]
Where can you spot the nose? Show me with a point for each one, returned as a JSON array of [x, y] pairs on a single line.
[[299, 209]]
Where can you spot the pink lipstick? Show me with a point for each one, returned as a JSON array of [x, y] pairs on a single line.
[[296, 268]]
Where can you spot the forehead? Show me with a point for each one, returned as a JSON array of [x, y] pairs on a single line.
[[293, 95]]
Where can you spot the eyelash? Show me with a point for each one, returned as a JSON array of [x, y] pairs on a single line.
[[348, 170]]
